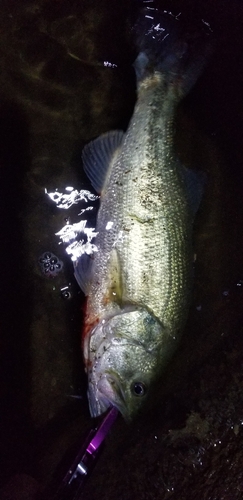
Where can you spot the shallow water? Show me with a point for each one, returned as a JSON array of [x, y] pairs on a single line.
[[55, 95]]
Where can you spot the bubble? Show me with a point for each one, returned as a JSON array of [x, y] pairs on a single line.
[[47, 255], [66, 293], [50, 264], [53, 260]]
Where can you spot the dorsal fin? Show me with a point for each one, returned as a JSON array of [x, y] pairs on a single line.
[[98, 155]]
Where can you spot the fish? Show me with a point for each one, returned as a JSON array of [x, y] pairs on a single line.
[[138, 283]]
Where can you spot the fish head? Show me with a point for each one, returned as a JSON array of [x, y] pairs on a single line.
[[124, 360]]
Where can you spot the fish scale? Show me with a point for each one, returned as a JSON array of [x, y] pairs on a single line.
[[152, 214]]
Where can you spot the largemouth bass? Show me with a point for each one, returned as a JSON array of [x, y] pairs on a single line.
[[138, 283]]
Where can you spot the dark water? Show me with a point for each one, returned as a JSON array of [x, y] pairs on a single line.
[[55, 95]]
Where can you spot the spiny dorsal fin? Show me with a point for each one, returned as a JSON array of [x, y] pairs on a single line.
[[98, 155]]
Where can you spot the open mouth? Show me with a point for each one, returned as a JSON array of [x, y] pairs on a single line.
[[97, 403], [109, 393], [104, 394]]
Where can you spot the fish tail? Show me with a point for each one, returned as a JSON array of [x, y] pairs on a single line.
[[165, 46]]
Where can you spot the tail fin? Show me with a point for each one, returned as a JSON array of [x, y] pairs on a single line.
[[165, 47]]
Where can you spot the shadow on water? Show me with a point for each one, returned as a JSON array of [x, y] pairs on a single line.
[[16, 302]]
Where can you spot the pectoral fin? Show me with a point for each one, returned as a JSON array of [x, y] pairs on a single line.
[[82, 272]]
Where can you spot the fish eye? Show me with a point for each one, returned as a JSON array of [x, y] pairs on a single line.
[[139, 389]]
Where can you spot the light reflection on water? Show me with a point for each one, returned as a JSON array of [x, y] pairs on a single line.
[[72, 197], [78, 237]]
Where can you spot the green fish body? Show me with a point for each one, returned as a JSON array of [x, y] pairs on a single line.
[[138, 283]]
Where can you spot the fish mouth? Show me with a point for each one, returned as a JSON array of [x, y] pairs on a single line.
[[108, 393]]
